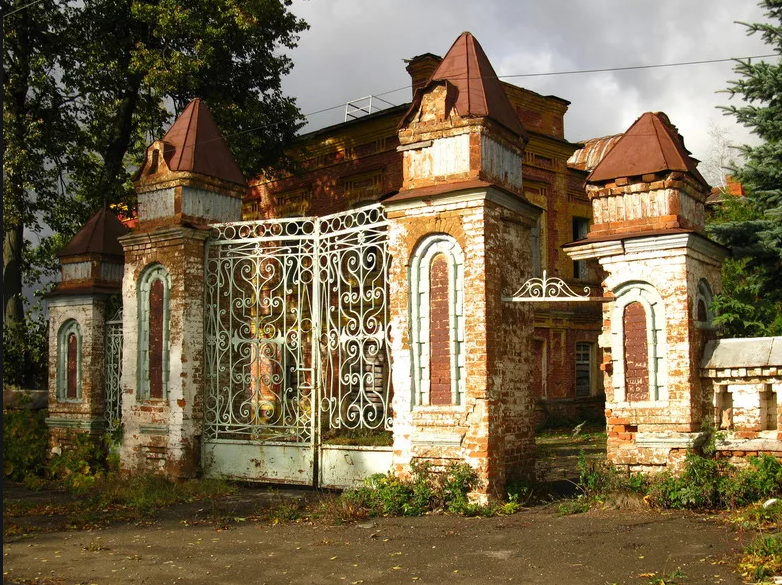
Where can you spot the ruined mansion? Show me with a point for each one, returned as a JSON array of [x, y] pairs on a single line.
[[437, 280]]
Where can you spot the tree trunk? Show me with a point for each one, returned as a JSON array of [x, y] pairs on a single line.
[[12, 275]]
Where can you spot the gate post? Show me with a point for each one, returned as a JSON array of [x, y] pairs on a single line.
[[187, 180], [460, 233], [649, 235], [91, 271]]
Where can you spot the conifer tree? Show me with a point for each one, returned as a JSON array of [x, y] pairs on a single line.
[[751, 303]]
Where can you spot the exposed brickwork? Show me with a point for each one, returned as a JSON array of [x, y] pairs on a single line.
[[670, 200], [636, 353], [439, 333], [361, 157], [86, 414], [72, 389], [156, 331]]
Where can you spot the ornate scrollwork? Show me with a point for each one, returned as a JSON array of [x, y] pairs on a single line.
[[547, 290], [297, 327]]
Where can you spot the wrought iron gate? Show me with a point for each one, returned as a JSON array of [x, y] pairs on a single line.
[[113, 390], [296, 351]]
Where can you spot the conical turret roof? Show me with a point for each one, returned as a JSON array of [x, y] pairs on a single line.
[[98, 236], [479, 90], [651, 145], [197, 145]]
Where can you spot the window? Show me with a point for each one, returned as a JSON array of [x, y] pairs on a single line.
[[154, 290], [437, 311], [580, 231], [638, 344], [69, 361], [768, 409], [723, 408], [584, 363], [702, 309]]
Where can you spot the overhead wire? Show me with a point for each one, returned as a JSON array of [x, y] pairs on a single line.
[[514, 76]]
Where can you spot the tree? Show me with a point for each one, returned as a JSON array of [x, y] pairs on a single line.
[[752, 301], [88, 85], [140, 62]]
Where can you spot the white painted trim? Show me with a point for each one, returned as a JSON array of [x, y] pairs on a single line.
[[149, 275], [68, 327], [420, 270], [656, 339]]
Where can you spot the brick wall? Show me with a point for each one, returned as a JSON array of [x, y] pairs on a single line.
[[439, 333]]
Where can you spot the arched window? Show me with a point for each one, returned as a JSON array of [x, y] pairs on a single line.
[[437, 311], [638, 346], [69, 361], [154, 290], [702, 309]]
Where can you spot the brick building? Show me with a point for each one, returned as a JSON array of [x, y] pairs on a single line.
[[360, 316], [360, 161]]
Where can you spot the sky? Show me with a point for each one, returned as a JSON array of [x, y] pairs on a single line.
[[356, 48]]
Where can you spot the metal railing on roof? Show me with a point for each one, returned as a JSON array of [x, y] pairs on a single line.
[[364, 106]]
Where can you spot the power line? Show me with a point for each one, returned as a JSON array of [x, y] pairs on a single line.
[[549, 73], [632, 67]]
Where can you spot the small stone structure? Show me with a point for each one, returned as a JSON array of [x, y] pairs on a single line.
[[742, 382], [456, 236], [661, 272], [90, 273]]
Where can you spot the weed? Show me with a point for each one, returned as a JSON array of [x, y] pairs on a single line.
[[762, 558], [577, 505], [669, 578], [706, 483], [426, 490], [285, 512], [759, 516]]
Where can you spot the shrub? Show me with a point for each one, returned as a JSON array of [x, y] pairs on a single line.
[[79, 466], [25, 442], [426, 490], [762, 558], [706, 483]]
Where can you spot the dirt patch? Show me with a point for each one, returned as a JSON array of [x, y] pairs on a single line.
[[534, 546], [225, 541]]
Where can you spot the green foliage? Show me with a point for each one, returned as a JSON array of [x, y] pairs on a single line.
[[742, 309], [88, 85], [598, 478], [710, 484], [425, 491], [25, 441], [26, 351], [762, 558], [81, 465], [754, 234], [577, 505]]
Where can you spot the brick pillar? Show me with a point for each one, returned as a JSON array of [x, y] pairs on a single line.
[[90, 272], [162, 426], [661, 271], [77, 323], [187, 181], [470, 399]]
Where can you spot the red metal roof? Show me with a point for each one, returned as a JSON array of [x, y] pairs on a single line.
[[199, 147], [651, 145], [479, 93], [98, 236]]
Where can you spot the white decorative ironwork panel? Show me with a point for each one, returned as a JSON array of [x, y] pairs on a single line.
[[548, 290], [113, 372], [296, 323]]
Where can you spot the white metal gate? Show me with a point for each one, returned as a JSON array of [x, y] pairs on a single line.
[[297, 365], [113, 389]]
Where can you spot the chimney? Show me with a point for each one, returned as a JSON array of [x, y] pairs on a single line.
[[421, 68]]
